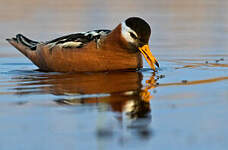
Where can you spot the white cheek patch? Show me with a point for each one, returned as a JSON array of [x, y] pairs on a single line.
[[125, 31]]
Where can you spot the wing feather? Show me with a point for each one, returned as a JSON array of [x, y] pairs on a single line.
[[78, 40]]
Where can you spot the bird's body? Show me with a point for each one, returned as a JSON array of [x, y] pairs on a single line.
[[98, 50]]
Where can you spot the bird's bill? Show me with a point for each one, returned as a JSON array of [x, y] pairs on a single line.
[[151, 60]]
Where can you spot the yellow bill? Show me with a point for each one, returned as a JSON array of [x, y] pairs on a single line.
[[151, 60]]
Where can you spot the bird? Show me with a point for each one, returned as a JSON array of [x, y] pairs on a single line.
[[93, 51]]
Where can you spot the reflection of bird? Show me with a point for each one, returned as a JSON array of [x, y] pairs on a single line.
[[126, 93], [98, 50]]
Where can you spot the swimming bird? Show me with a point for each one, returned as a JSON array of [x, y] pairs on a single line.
[[97, 50]]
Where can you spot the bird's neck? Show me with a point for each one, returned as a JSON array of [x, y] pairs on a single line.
[[115, 40]]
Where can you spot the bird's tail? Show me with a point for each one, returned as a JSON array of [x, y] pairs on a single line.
[[24, 41], [25, 46]]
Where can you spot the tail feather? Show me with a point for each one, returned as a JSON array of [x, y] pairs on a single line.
[[26, 42], [24, 45]]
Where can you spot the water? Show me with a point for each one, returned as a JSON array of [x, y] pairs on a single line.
[[182, 106]]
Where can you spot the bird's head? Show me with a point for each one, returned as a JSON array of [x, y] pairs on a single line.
[[136, 33]]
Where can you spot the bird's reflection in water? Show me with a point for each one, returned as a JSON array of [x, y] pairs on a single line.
[[124, 92], [128, 97]]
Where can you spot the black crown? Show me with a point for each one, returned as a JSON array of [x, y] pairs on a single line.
[[141, 27]]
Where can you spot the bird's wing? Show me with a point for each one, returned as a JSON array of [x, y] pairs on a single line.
[[78, 40]]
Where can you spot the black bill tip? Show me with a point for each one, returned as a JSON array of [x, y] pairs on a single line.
[[157, 64]]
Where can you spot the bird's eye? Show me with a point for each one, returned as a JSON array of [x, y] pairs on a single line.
[[133, 35]]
